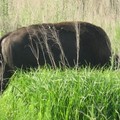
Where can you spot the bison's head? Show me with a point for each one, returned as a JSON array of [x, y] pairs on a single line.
[[116, 61]]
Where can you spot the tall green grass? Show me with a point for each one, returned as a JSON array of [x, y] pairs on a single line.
[[70, 94]]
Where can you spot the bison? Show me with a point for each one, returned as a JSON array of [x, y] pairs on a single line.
[[70, 44]]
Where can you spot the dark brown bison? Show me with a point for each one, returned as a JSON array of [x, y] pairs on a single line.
[[59, 44]]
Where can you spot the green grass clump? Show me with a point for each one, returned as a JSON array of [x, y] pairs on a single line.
[[47, 94]]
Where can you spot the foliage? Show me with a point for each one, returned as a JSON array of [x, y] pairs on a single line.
[[70, 94]]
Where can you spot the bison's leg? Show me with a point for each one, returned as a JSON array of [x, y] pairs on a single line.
[[5, 75]]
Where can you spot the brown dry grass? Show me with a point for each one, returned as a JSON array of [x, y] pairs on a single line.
[[104, 13]]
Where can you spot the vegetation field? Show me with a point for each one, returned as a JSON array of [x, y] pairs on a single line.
[[70, 94]]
